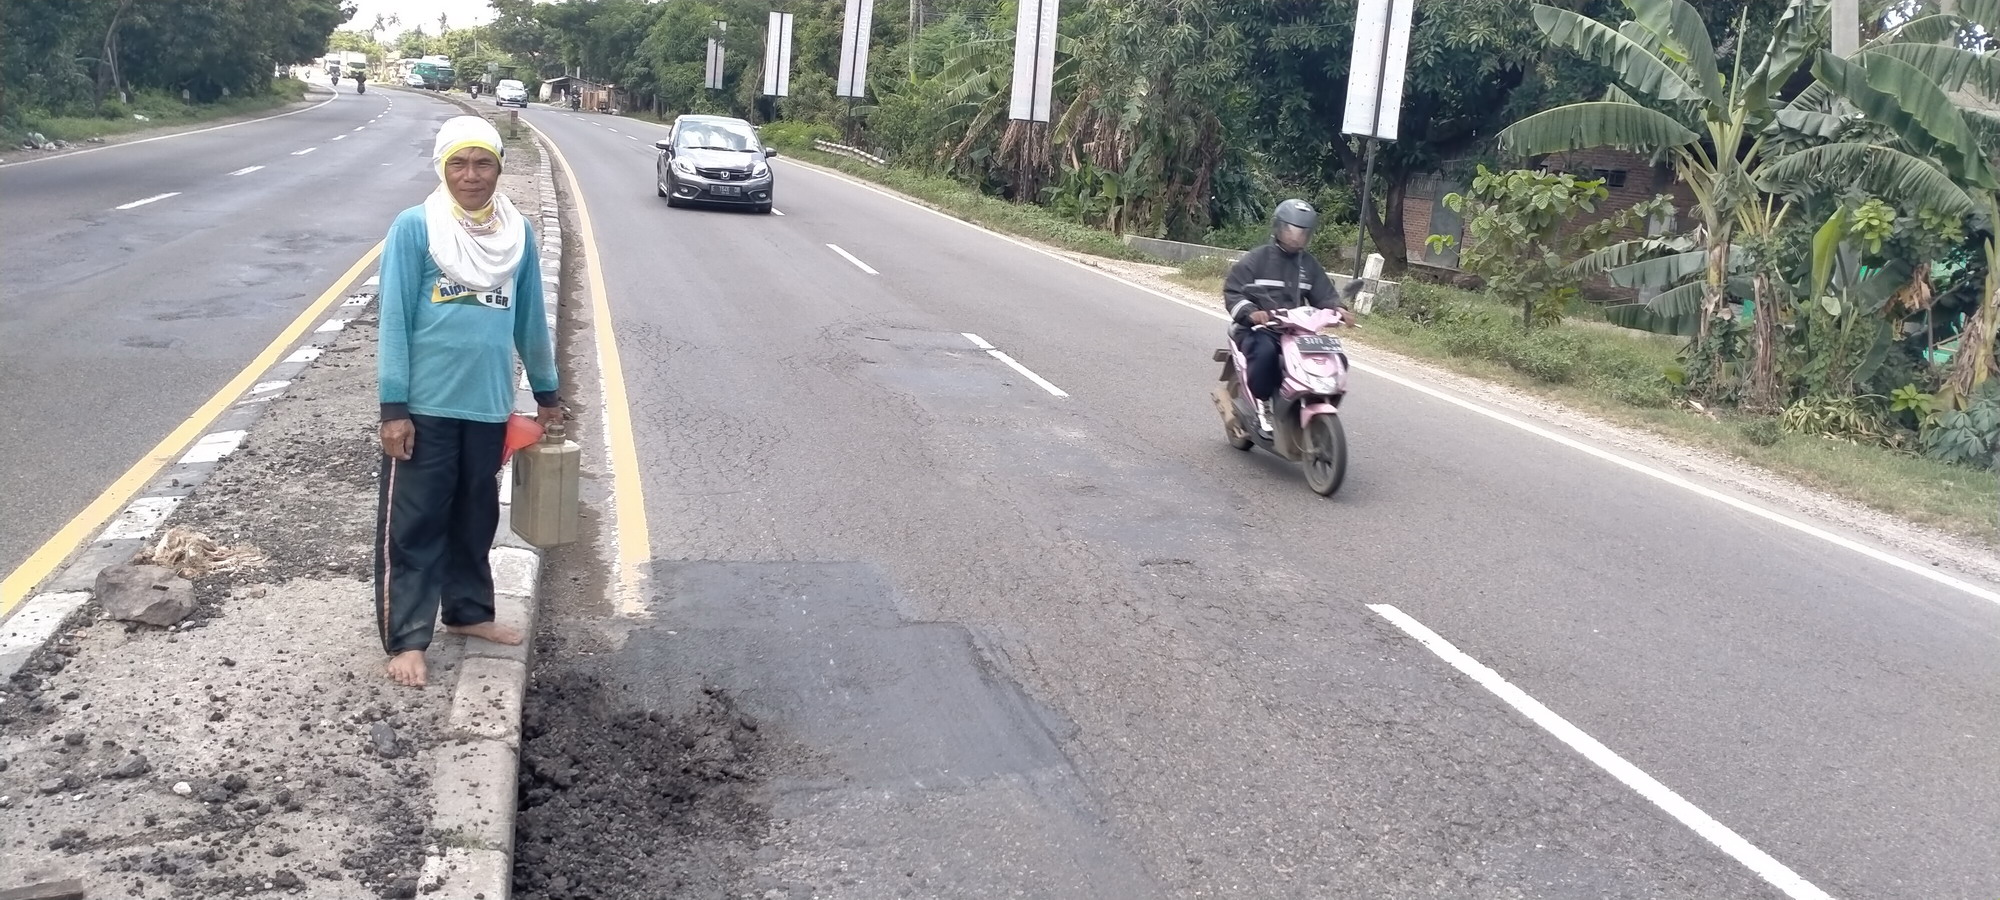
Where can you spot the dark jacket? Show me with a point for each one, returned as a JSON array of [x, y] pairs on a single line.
[[1268, 278]]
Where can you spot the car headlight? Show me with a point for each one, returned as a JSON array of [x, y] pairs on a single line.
[[684, 167], [759, 169]]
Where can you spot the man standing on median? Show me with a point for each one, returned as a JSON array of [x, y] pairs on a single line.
[[461, 294]]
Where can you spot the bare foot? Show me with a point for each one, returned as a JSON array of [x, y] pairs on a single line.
[[492, 631], [407, 668]]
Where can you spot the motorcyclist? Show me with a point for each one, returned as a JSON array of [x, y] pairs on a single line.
[[1278, 275], [360, 82]]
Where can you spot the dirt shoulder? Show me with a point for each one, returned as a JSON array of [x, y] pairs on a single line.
[[12, 152], [255, 747]]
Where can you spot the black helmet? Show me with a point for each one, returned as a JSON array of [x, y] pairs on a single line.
[[1296, 212]]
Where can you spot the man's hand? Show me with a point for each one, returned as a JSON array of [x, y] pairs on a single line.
[[399, 438], [1259, 317], [549, 416]]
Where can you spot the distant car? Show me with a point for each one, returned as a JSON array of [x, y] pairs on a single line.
[[510, 91], [413, 80], [714, 160]]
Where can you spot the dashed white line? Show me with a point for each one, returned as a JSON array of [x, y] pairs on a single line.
[[152, 199], [1778, 874], [359, 127], [630, 138], [614, 131], [246, 170], [304, 152], [1027, 373], [340, 137], [850, 258]]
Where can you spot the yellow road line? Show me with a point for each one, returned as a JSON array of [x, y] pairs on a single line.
[[633, 544], [51, 554]]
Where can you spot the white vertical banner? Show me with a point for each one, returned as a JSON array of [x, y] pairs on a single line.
[[1375, 71], [1034, 61], [856, 23], [778, 56], [714, 81]]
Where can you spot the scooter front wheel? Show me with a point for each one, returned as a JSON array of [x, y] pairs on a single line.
[[1326, 454]]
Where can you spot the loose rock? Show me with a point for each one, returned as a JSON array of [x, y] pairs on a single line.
[[153, 595]]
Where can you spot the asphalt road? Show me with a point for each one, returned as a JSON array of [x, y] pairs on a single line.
[[1076, 646], [117, 323]]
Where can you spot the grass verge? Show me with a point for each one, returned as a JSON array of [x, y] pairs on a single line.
[[160, 110]]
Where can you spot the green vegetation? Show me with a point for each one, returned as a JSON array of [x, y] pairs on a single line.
[[67, 65], [160, 110]]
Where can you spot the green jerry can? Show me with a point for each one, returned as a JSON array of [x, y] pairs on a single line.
[[546, 475]]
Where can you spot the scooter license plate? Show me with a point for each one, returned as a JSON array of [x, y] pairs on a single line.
[[1318, 343]]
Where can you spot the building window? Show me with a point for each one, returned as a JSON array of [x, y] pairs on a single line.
[[1613, 178]]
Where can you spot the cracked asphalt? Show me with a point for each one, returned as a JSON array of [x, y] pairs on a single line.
[[1004, 643]]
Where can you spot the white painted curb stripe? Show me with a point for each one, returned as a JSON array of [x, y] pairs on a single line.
[[214, 446], [1777, 873], [330, 326], [1669, 478], [850, 258], [140, 518], [152, 199]]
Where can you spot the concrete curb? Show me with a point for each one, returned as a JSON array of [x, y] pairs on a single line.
[[473, 778]]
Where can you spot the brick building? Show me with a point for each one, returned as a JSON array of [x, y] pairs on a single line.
[[1630, 178]]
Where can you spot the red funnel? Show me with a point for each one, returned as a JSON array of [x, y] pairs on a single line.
[[522, 432]]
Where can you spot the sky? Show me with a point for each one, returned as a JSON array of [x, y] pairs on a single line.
[[459, 13]]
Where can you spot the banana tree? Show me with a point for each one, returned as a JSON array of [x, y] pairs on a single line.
[[1930, 153], [1672, 101]]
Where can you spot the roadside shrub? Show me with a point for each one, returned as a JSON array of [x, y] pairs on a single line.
[[1421, 301], [792, 135], [1763, 431], [1202, 267], [1644, 390], [1465, 329]]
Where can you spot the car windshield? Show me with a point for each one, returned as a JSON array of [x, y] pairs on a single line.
[[716, 136]]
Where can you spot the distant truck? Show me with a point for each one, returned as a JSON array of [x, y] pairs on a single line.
[[345, 63]]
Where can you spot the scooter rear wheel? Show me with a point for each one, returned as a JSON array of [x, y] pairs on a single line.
[[1326, 454]]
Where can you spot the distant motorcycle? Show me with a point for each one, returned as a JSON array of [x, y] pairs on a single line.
[[361, 87], [1306, 426]]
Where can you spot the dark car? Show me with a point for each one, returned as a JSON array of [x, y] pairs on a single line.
[[714, 160]]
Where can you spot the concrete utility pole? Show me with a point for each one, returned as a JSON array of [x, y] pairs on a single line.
[[1846, 27]]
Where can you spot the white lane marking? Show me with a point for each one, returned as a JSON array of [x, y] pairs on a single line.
[[304, 152], [166, 137], [359, 127], [630, 138], [154, 198], [213, 447], [613, 130], [850, 258], [246, 170], [1777, 873], [340, 137], [140, 518], [777, 212], [1773, 516], [981, 343]]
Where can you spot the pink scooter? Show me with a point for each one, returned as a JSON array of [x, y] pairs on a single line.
[[1306, 425]]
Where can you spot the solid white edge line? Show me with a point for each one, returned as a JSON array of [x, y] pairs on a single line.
[[850, 258], [163, 137], [976, 340], [1726, 840], [137, 203], [1025, 371], [1770, 515]]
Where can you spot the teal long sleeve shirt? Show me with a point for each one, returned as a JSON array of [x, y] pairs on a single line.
[[444, 350]]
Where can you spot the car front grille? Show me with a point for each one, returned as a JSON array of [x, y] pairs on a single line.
[[724, 174]]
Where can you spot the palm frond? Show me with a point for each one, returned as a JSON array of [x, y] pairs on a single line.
[[1882, 171], [1633, 64], [1581, 126], [1684, 42], [1953, 68], [1661, 271], [1898, 95]]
